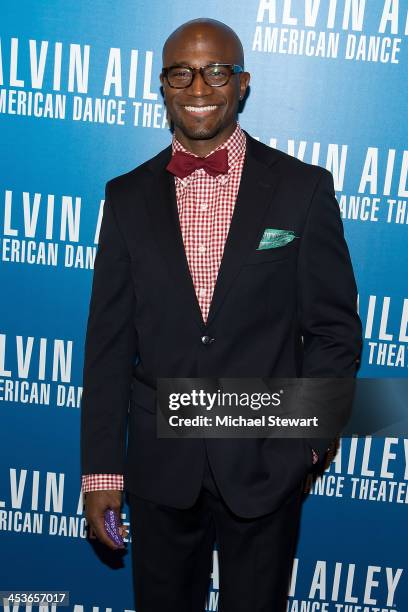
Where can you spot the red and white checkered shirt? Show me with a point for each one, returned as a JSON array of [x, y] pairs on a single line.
[[205, 206]]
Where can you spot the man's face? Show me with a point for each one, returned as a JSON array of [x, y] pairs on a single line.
[[195, 49]]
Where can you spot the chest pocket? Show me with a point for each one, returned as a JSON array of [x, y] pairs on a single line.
[[286, 251]]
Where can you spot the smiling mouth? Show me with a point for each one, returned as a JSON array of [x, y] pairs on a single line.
[[201, 110]]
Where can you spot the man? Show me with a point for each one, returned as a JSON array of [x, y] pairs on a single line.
[[181, 289]]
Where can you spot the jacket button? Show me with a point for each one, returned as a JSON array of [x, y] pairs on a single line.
[[207, 339]]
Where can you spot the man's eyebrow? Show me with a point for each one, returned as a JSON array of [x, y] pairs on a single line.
[[180, 63], [185, 63]]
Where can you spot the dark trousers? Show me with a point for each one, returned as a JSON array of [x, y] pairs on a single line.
[[172, 554]]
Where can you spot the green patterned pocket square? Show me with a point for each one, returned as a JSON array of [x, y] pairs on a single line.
[[273, 238]]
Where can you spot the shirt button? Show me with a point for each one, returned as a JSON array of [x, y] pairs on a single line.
[[201, 248], [202, 292], [204, 206], [207, 339]]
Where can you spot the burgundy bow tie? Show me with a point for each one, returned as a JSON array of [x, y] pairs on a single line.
[[182, 164]]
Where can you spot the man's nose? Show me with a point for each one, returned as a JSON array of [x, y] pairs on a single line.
[[198, 86]]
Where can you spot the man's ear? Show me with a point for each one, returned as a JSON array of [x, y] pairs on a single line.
[[244, 82]]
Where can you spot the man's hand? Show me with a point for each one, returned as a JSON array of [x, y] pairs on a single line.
[[96, 502]]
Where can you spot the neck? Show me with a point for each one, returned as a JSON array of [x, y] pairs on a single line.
[[204, 147]]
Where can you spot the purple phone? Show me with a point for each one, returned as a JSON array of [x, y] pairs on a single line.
[[112, 527]]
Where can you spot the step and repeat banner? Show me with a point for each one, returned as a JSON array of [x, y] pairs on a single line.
[[80, 103]]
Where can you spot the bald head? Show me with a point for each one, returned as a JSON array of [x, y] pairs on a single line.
[[197, 32]]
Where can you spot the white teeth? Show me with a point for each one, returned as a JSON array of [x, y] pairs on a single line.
[[199, 109]]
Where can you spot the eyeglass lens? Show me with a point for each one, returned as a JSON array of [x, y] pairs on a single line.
[[181, 76]]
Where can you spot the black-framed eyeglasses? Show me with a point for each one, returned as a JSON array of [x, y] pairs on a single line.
[[215, 75]]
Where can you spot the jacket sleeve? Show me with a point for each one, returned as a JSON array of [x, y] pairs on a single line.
[[110, 352], [330, 325]]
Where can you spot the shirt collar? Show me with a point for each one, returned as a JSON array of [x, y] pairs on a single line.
[[235, 145]]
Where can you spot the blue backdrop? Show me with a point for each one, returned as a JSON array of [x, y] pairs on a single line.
[[79, 104]]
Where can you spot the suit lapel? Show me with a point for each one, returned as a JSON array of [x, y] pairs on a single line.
[[162, 207], [253, 200]]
